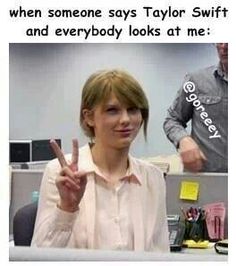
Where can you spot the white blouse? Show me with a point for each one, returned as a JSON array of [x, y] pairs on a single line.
[[130, 216]]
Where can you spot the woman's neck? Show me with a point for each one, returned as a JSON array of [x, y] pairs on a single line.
[[113, 163]]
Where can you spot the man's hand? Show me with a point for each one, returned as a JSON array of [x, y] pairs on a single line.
[[71, 182], [191, 155]]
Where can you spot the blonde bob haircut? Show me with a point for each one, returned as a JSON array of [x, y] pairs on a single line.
[[98, 88]]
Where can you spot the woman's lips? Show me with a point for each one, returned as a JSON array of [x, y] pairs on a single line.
[[124, 132]]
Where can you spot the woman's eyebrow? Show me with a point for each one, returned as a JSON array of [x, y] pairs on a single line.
[[111, 105]]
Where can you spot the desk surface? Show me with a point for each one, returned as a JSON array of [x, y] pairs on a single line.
[[59, 254]]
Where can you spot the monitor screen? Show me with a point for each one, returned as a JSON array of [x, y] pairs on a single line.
[[20, 151], [41, 150]]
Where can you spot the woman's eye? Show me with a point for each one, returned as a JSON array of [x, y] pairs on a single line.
[[112, 110]]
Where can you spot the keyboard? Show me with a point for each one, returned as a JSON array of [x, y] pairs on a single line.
[[172, 236]]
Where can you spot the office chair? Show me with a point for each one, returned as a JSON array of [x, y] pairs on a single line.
[[23, 224]]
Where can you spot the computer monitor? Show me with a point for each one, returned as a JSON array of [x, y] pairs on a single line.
[[41, 150], [20, 151]]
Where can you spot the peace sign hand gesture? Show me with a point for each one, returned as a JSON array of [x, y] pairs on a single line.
[[71, 182]]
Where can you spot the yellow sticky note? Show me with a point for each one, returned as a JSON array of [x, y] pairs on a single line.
[[189, 190]]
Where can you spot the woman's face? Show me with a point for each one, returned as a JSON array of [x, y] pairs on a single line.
[[116, 125]]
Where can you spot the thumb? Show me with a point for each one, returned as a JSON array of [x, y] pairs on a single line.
[[203, 156]]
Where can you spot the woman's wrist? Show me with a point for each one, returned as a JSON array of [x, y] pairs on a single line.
[[67, 207]]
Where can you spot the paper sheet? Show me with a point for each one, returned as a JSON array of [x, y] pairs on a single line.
[[189, 190]]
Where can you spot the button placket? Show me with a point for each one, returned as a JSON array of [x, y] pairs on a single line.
[[116, 218]]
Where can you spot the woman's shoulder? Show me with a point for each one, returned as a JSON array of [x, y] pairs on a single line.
[[146, 167], [149, 174]]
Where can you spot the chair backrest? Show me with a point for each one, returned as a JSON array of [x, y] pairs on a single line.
[[23, 224]]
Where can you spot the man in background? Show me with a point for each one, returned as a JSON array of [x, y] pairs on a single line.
[[203, 99]]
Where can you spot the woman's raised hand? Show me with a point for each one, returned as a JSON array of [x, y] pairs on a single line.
[[70, 182]]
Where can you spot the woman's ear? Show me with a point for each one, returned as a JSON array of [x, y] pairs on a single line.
[[88, 117]]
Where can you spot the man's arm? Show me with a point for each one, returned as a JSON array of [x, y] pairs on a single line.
[[178, 115], [175, 125]]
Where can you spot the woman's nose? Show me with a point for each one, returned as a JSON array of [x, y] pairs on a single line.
[[125, 118]]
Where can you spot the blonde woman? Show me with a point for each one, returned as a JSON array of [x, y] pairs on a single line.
[[101, 197]]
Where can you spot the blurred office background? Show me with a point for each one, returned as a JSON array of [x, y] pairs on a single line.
[[46, 82]]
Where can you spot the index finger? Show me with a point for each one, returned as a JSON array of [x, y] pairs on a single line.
[[59, 154]]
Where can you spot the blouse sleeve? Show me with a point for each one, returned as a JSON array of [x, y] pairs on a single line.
[[53, 227]]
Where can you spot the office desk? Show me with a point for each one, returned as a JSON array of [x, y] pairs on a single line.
[[213, 188], [64, 254]]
